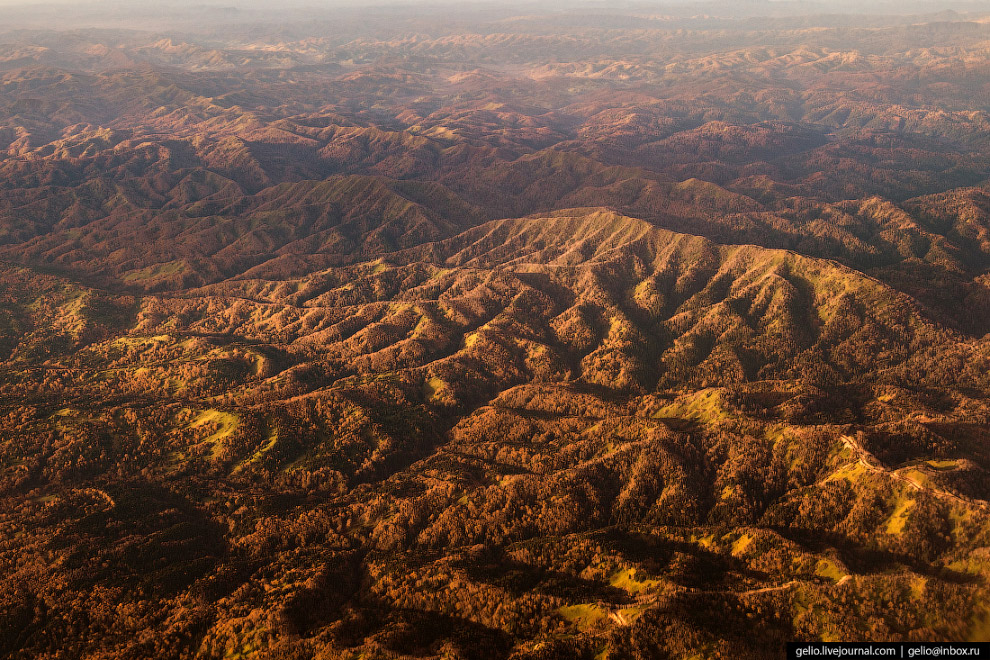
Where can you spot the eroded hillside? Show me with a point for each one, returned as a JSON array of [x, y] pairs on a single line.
[[598, 335]]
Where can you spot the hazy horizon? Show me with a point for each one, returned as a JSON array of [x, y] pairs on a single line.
[[202, 16]]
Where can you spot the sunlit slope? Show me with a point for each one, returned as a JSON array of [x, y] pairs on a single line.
[[589, 296], [572, 431]]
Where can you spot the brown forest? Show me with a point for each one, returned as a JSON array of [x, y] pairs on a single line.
[[476, 333]]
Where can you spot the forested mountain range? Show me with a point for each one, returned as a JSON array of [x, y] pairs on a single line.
[[647, 332]]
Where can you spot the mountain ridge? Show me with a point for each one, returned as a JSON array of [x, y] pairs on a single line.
[[528, 336]]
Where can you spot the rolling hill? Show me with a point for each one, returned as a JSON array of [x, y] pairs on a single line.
[[517, 335]]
